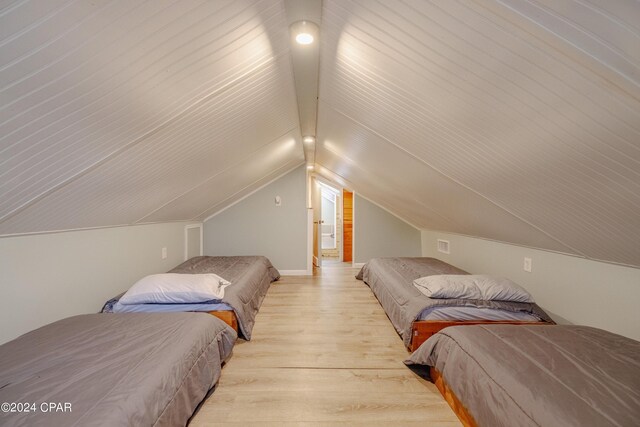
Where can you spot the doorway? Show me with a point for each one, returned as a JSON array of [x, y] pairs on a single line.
[[347, 226], [332, 208], [331, 223]]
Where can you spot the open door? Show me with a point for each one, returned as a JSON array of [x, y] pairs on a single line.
[[347, 226], [316, 204]]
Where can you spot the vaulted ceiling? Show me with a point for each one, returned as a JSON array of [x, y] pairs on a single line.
[[516, 120]]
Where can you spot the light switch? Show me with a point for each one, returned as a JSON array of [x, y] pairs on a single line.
[[164, 253], [527, 264], [278, 201]]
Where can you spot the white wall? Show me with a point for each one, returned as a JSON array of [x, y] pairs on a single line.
[[571, 289], [377, 233], [256, 226], [47, 277]]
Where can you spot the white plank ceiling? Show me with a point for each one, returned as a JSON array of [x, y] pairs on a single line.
[[516, 120]]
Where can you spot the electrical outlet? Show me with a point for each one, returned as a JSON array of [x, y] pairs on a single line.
[[527, 264], [164, 253]]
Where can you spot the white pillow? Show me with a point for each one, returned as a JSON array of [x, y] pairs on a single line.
[[447, 286], [470, 286], [172, 288]]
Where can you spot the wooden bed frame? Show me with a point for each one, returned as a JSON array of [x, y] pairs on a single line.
[[423, 329], [228, 317], [458, 408]]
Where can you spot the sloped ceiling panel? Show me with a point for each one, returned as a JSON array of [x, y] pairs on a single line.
[[113, 111], [527, 109], [386, 173]]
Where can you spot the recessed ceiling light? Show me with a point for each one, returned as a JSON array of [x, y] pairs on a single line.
[[304, 32], [304, 38]]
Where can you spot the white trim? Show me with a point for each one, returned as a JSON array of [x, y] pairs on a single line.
[[309, 242], [253, 192], [68, 230], [358, 264], [294, 272], [353, 227], [186, 239]]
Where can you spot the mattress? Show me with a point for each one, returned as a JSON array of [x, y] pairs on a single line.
[[454, 314], [250, 278], [169, 308], [113, 370], [507, 375], [391, 280]]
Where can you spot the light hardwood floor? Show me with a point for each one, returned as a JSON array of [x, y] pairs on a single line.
[[323, 353]]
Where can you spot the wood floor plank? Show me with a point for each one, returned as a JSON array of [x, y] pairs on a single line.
[[323, 353]]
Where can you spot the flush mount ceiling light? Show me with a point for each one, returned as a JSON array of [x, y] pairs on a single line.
[[308, 139], [304, 32], [304, 38]]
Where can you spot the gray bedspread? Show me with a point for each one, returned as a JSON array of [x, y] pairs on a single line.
[[391, 280], [250, 278], [509, 375], [134, 369]]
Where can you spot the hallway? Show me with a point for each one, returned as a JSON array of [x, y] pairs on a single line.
[[323, 353]]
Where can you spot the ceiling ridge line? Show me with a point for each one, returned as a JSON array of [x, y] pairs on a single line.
[[148, 134], [454, 180], [295, 166], [251, 154]]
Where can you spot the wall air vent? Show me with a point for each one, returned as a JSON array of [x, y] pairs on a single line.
[[443, 246]]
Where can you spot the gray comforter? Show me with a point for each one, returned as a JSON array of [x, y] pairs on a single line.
[[509, 375], [391, 280], [250, 277], [135, 369]]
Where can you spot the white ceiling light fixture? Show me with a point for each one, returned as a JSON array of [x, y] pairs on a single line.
[[304, 32], [304, 38], [309, 139]]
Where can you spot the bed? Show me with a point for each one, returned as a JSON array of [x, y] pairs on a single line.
[[417, 317], [505, 375], [113, 370], [250, 276]]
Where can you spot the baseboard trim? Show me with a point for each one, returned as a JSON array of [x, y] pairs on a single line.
[[295, 272]]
